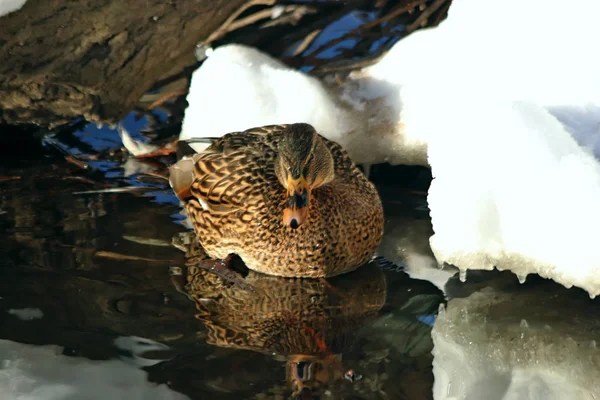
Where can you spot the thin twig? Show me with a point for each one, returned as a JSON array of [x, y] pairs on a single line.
[[250, 19], [307, 41], [319, 23], [350, 65], [357, 31], [442, 14], [77, 162], [9, 178], [422, 19], [118, 256], [226, 26], [124, 189], [291, 15], [166, 97]]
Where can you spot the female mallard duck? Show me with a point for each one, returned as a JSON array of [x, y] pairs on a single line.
[[284, 199]]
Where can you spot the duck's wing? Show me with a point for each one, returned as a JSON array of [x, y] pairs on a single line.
[[221, 178], [190, 146]]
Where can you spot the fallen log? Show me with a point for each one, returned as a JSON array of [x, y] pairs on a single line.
[[63, 59]]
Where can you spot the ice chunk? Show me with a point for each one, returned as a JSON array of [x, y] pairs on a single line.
[[43, 373], [518, 194], [9, 6], [509, 142], [499, 345]]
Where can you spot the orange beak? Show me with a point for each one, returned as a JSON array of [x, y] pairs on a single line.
[[296, 211]]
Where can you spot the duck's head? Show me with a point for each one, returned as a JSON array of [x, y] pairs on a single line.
[[303, 163]]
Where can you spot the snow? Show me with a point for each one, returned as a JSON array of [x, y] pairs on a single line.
[[30, 372], [520, 346], [526, 200], [504, 110], [260, 90], [9, 6], [406, 244], [257, 90], [510, 144]]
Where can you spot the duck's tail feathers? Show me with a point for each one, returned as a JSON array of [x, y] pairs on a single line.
[[181, 176]]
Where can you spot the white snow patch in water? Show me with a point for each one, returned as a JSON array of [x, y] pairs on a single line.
[[26, 314], [42, 373], [9, 6], [139, 346]]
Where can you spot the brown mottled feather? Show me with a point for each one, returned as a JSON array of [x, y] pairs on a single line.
[[236, 203]]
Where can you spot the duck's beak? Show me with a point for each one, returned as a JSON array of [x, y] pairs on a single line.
[[296, 210]]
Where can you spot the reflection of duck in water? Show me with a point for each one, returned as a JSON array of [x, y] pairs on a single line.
[[309, 322], [284, 199]]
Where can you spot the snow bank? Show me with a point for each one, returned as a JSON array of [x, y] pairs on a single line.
[[526, 346], [8, 6], [526, 200], [509, 110], [239, 87], [259, 90], [30, 372], [512, 186]]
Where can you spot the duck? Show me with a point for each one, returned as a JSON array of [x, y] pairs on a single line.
[[284, 199]]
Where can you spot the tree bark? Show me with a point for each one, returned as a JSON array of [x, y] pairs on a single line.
[[63, 59]]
